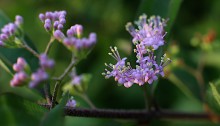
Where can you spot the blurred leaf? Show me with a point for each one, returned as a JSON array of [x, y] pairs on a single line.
[[213, 97], [18, 111], [212, 59], [56, 116], [24, 92], [215, 93], [3, 65], [179, 84]]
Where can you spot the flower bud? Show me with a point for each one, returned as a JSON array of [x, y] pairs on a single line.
[[59, 35], [1, 43], [41, 17], [19, 20]]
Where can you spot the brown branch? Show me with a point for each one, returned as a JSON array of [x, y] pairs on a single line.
[[135, 114]]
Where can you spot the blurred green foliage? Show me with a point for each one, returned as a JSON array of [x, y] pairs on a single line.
[[107, 19]]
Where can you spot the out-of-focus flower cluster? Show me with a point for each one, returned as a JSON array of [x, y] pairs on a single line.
[[23, 74], [73, 40], [11, 33], [147, 38], [41, 74]]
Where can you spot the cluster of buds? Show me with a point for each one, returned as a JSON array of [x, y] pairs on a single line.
[[21, 76], [147, 38], [73, 40], [11, 33], [53, 20]]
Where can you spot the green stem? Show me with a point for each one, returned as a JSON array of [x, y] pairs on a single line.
[[47, 93], [49, 45], [28, 48], [47, 85], [147, 97], [60, 78]]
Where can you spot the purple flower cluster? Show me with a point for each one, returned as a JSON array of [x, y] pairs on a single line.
[[45, 62], [37, 77], [53, 20], [147, 38], [41, 75], [20, 76], [23, 74], [10, 32], [74, 40], [150, 33]]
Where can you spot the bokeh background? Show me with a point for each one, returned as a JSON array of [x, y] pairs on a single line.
[[195, 22]]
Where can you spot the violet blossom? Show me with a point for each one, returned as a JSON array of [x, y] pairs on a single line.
[[147, 38], [20, 76], [11, 33]]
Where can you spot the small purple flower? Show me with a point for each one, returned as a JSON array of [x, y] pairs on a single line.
[[1, 43], [20, 65], [45, 62], [37, 77], [19, 20], [3, 37], [59, 35], [19, 79], [71, 103], [78, 29], [42, 17], [76, 79]]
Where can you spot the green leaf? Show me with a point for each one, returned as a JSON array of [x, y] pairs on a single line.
[[18, 111], [178, 83], [215, 93], [56, 116]]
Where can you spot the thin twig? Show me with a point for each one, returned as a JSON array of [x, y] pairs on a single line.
[[49, 45], [47, 93], [28, 48], [60, 78], [47, 85], [135, 114]]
